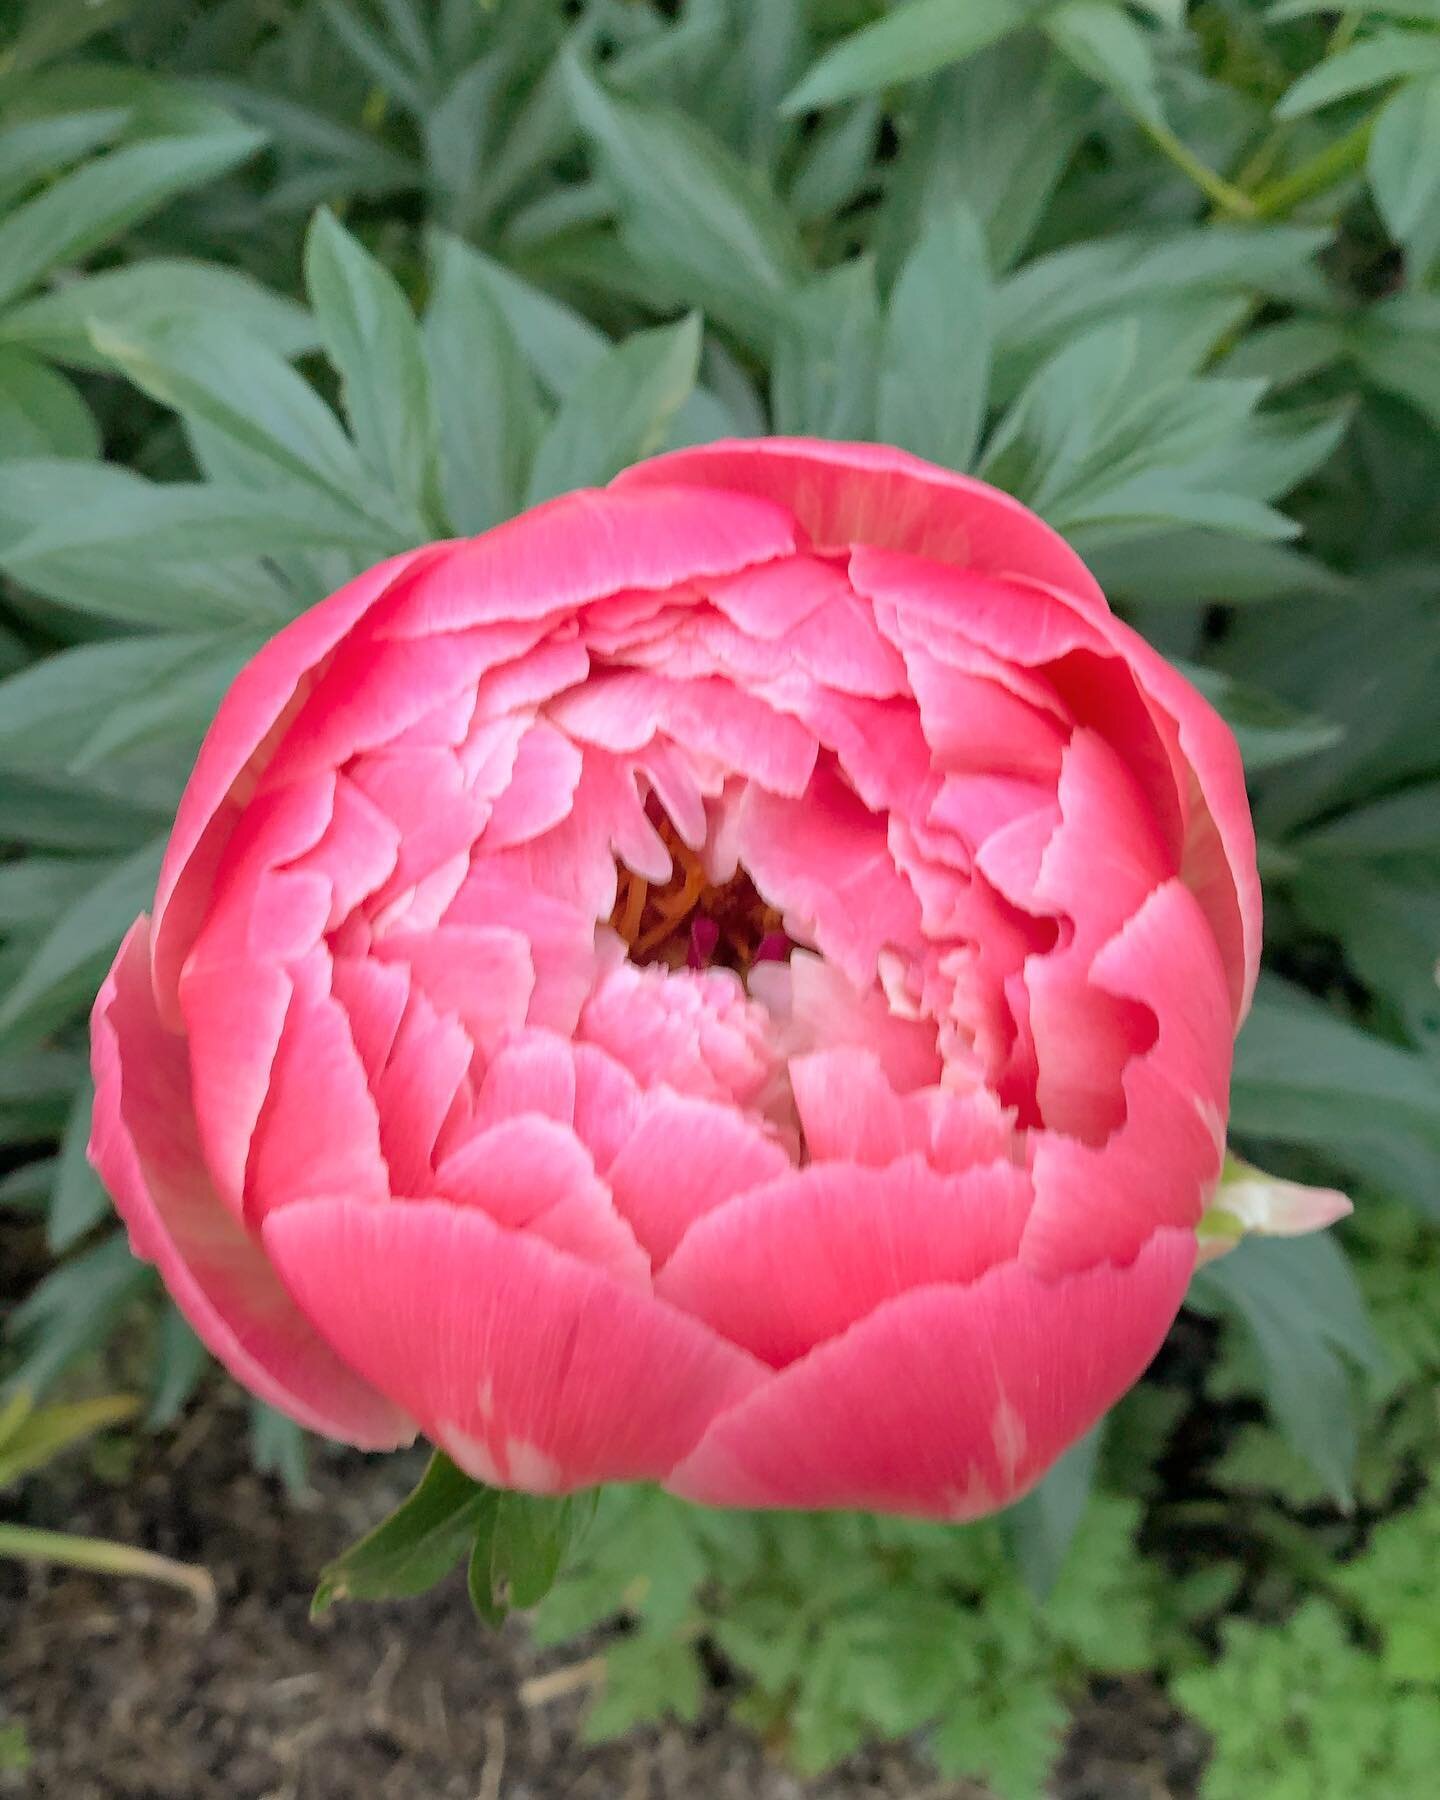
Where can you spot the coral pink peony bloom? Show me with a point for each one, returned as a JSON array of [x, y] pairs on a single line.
[[727, 980]]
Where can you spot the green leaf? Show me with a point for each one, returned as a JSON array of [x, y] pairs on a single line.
[[73, 1310], [371, 337], [40, 146], [26, 1189], [85, 519], [1012, 1742], [619, 411], [1179, 568], [1305, 1076], [96, 203], [703, 221], [1392, 1584], [35, 888], [93, 684], [1397, 346], [1044, 305], [1290, 351], [51, 27], [967, 142], [278, 1446], [646, 1678], [560, 346], [176, 711], [40, 412], [1269, 731], [935, 354], [823, 377], [1404, 166], [73, 955], [53, 815], [220, 378], [1401, 824], [480, 1573], [418, 1545], [1301, 1304], [29, 1439], [532, 1536], [1379, 9], [912, 40], [488, 407], [378, 54], [77, 1200], [1389, 926], [835, 162], [1388, 56], [330, 154], [1040, 1528], [1105, 43], [136, 298], [179, 1361]]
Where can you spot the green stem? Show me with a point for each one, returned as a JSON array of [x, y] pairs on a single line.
[[33, 1545], [1225, 195], [1333, 165]]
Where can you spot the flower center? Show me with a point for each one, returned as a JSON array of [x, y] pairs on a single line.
[[689, 922]]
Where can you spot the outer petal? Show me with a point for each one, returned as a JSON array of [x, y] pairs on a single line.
[[552, 1376], [215, 793], [870, 494], [1159, 1167], [949, 1401], [146, 1151], [797, 1262], [588, 544], [1219, 866]]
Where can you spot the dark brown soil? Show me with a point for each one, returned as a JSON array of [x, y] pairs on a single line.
[[126, 1695]]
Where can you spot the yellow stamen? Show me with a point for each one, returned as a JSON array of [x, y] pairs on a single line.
[[630, 904]]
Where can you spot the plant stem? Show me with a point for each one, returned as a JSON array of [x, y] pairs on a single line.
[[1226, 196], [1322, 172], [107, 1558]]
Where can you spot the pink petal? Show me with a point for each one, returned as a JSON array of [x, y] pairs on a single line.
[[374, 688], [480, 975], [823, 860], [946, 1402], [533, 1174], [234, 1014], [817, 1008], [414, 1093], [694, 1030], [553, 1376], [845, 494], [589, 544], [1158, 1168], [319, 1128], [218, 788], [561, 937], [147, 1154], [1219, 865], [851, 1113], [773, 599], [531, 1072], [540, 792], [684, 1158], [795, 1263], [607, 1104]]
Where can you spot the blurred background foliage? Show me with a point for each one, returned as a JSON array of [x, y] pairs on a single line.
[[287, 285]]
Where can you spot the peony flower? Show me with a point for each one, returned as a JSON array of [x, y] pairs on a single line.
[[726, 980]]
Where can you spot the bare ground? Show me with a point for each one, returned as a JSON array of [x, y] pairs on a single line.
[[127, 1695]]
